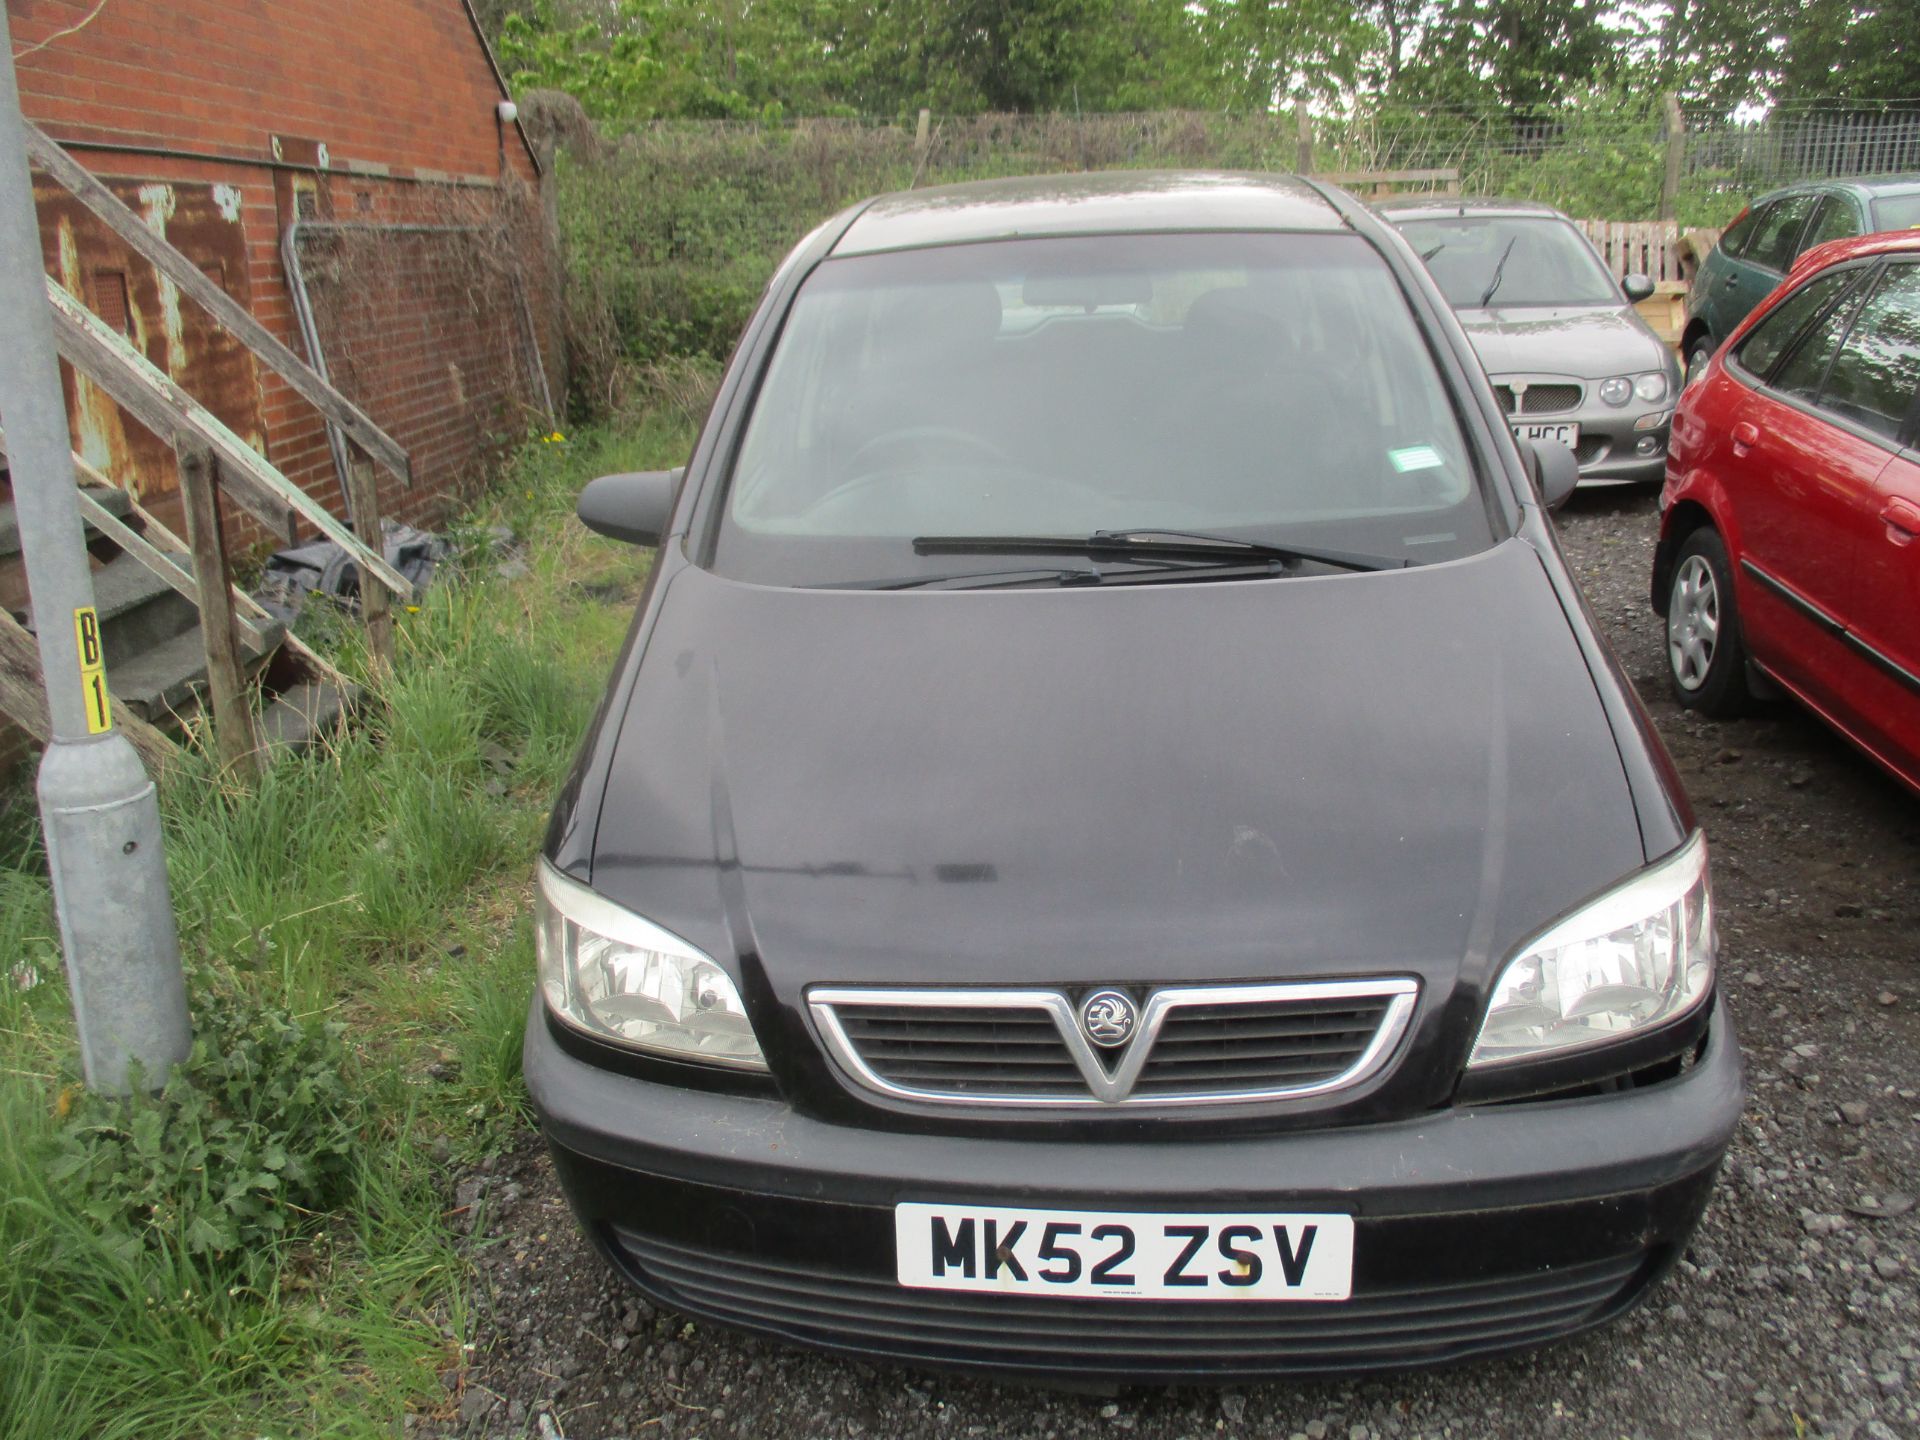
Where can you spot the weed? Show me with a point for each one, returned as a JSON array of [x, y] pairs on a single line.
[[255, 1130], [262, 1247]]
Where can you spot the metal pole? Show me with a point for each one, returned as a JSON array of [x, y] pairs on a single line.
[[98, 808]]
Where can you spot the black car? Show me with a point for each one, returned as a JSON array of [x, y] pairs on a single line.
[[1113, 848]]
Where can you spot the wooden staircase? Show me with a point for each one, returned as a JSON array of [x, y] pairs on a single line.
[[177, 636], [145, 595]]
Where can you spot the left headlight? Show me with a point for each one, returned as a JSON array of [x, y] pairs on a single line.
[[1636, 958], [612, 974], [1617, 390]]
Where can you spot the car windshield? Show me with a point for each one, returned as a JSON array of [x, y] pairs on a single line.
[[1510, 261], [1897, 212], [1263, 388]]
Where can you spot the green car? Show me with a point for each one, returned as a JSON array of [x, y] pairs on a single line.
[[1761, 244]]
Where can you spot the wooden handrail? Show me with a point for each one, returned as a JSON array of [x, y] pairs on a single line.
[[157, 402], [23, 698], [160, 559], [186, 276]]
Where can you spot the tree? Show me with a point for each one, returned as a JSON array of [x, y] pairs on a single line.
[[960, 56], [1526, 55], [1869, 44], [644, 59], [1399, 25], [1266, 54]]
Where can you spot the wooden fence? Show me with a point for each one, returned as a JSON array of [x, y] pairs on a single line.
[[1656, 248], [1660, 250]]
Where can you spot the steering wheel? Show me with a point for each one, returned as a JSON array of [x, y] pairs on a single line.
[[864, 460]]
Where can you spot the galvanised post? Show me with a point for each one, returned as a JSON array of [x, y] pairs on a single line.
[[98, 807]]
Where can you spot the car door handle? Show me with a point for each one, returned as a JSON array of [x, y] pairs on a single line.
[[1745, 436], [1903, 521], [1729, 282]]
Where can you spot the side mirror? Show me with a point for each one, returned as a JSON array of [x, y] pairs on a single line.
[[633, 506], [1638, 287], [1556, 472]]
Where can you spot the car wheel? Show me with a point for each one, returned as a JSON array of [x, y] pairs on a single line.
[[1706, 656], [1697, 359]]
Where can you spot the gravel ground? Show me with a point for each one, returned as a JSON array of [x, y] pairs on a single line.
[[1794, 1313]]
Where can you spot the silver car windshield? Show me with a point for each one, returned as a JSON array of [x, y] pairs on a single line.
[[1272, 388], [1510, 261]]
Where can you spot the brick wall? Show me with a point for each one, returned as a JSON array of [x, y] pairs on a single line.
[[399, 82], [401, 94]]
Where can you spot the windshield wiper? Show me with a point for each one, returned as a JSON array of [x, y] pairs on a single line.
[[1499, 272], [972, 579], [1191, 546]]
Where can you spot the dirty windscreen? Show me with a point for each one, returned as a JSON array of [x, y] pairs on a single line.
[[1510, 261], [1269, 388]]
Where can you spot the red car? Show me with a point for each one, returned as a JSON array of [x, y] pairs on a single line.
[[1791, 513]]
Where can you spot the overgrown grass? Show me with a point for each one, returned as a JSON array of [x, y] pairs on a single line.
[[378, 884]]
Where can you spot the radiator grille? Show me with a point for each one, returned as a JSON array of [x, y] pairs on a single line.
[[1206, 1048], [1541, 399], [965, 1051], [1192, 1045]]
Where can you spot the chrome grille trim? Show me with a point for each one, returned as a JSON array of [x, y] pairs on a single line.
[[1104, 1088]]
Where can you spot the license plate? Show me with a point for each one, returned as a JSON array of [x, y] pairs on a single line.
[[1123, 1254], [1567, 434]]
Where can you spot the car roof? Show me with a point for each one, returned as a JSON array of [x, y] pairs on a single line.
[[1887, 242], [1102, 203], [1867, 187], [1441, 207]]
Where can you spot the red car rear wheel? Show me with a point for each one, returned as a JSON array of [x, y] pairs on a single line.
[[1706, 656]]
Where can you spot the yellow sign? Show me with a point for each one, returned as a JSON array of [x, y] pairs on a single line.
[[93, 670]]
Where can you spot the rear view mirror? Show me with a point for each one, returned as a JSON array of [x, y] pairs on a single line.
[[1555, 471], [1638, 287], [1086, 292], [633, 506]]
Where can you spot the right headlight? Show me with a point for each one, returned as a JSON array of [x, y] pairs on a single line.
[[613, 974], [1639, 956]]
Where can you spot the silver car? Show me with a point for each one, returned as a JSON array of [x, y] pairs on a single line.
[[1569, 356]]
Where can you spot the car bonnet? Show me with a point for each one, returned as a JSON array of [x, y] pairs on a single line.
[[1398, 772], [1591, 341]]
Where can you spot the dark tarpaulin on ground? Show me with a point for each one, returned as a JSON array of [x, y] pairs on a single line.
[[292, 575]]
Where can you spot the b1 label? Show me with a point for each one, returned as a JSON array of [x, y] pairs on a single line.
[[93, 670]]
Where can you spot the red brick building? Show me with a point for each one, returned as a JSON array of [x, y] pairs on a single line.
[[348, 158]]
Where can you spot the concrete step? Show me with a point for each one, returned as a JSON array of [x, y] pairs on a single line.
[[302, 713], [167, 677], [115, 502], [137, 609]]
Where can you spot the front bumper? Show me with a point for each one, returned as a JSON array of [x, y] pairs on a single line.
[[1478, 1228], [1607, 441], [1606, 450]]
